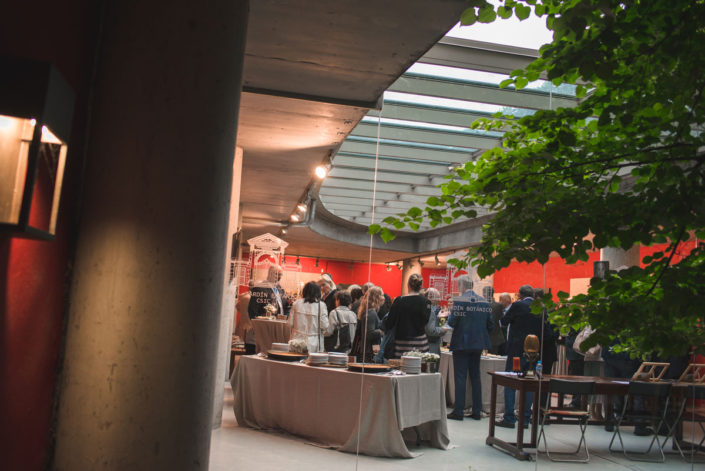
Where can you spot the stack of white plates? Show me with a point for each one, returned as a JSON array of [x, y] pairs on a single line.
[[411, 365], [318, 358], [337, 358], [280, 347]]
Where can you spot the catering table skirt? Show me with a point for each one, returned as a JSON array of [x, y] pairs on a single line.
[[268, 332], [486, 364], [321, 404]]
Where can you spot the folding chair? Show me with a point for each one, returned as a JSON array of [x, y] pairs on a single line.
[[693, 392], [658, 391], [581, 417]]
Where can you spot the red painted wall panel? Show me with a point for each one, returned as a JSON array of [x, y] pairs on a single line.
[[33, 274]]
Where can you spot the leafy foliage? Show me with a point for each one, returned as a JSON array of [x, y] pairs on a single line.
[[624, 167]]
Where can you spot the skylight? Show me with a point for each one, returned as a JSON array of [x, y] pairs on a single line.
[[452, 104]]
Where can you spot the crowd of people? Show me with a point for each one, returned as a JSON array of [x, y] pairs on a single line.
[[364, 322]]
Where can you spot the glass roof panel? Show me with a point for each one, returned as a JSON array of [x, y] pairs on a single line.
[[451, 104]]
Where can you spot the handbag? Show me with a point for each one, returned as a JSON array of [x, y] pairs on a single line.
[[339, 340], [581, 337]]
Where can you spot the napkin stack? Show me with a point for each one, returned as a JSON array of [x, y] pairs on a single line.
[[336, 358], [411, 365], [318, 358]]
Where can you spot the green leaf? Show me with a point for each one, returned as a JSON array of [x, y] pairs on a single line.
[[486, 14], [414, 212], [521, 82], [504, 84], [468, 17], [522, 12], [504, 12], [374, 229]]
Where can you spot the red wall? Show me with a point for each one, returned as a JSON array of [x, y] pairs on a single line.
[[33, 274], [558, 275]]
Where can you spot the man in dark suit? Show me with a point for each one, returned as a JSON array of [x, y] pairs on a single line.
[[497, 337], [520, 323]]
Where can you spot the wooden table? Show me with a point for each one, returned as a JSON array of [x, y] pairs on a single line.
[[613, 386]]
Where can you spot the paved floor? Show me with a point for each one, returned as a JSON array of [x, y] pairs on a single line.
[[235, 448]]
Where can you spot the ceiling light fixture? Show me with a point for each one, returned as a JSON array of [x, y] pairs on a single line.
[[295, 218], [438, 262], [389, 267], [316, 261], [301, 207], [298, 262], [420, 262]]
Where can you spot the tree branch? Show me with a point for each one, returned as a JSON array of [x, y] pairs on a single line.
[[676, 243]]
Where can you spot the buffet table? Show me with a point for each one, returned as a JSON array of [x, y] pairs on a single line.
[[322, 404], [487, 364], [268, 332]]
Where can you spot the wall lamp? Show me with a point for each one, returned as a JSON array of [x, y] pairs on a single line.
[[438, 262], [36, 112]]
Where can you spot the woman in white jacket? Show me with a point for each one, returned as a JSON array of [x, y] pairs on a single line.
[[308, 318]]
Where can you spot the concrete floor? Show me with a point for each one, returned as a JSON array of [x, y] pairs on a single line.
[[234, 448]]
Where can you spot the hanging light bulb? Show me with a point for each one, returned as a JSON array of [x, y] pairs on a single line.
[[321, 171]]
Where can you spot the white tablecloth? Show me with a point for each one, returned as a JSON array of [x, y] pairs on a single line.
[[486, 364], [268, 332], [321, 404]]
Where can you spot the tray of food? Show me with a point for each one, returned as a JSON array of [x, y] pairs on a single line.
[[369, 367], [286, 356]]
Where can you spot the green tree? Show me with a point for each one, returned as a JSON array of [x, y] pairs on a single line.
[[624, 167]]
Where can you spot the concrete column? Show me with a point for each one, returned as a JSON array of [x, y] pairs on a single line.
[[139, 368], [229, 291], [621, 258], [409, 267]]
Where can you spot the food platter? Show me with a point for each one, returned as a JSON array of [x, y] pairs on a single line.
[[286, 356], [369, 367]]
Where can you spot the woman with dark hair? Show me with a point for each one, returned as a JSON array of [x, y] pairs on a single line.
[[368, 334], [408, 317], [309, 317], [356, 294]]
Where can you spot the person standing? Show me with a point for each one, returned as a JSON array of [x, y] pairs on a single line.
[[328, 291], [434, 331], [497, 337], [342, 320], [520, 323], [243, 323], [368, 333], [408, 317], [471, 320], [265, 293], [309, 318]]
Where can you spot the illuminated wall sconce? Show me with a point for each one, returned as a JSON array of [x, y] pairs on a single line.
[[36, 111], [438, 262], [389, 267]]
